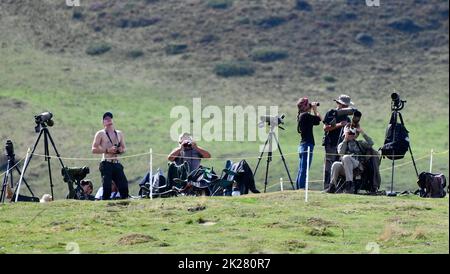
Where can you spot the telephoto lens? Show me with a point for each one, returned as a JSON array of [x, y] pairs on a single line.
[[9, 148]]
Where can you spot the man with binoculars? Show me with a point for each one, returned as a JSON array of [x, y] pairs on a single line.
[[111, 143]]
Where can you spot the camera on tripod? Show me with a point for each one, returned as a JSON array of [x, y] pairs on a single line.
[[272, 121], [43, 120], [397, 103], [9, 149], [76, 174]]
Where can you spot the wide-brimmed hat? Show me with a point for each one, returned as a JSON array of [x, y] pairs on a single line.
[[344, 100]]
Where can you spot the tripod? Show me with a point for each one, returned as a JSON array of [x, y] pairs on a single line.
[[394, 118], [272, 136], [46, 133], [10, 167]]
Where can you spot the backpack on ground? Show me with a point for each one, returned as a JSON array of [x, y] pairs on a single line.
[[432, 185]]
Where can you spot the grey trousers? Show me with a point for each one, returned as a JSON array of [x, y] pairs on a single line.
[[331, 156], [343, 168]]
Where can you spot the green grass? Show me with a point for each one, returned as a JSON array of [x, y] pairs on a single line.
[[266, 223], [44, 66]]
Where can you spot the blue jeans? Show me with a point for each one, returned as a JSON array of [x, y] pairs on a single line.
[[303, 154]]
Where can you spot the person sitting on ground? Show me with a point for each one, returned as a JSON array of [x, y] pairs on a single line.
[[87, 189], [115, 195], [188, 151], [352, 152]]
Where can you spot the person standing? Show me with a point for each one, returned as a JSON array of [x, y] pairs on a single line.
[[333, 125], [306, 122], [111, 143]]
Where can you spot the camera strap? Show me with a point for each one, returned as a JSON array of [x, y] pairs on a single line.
[[109, 137]]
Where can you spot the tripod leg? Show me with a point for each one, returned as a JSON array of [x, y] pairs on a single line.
[[23, 179], [266, 178], [5, 182], [394, 124], [47, 157], [261, 156], [56, 151], [284, 162], [409, 146], [27, 163]]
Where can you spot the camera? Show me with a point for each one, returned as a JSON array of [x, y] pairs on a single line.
[[117, 147], [187, 144], [272, 121], [356, 118], [397, 103], [343, 112], [43, 120], [72, 174], [9, 148]]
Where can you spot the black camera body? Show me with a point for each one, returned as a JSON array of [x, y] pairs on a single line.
[[346, 111], [272, 121], [117, 147], [187, 144], [76, 174], [43, 120], [397, 103], [9, 149]]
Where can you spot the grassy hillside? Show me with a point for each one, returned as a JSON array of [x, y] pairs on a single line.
[[267, 223], [160, 54]]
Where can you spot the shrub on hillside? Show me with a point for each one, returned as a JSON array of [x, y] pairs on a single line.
[[220, 4], [405, 25], [329, 79], [234, 68], [209, 38], [271, 21], [77, 15], [136, 23], [364, 39], [174, 49], [269, 55], [136, 53], [303, 5], [98, 49]]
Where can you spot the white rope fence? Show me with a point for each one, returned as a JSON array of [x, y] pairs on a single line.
[[151, 153]]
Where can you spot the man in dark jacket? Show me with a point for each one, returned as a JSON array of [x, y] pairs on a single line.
[[332, 128]]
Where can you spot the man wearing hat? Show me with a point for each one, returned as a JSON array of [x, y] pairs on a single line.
[[111, 143], [332, 127]]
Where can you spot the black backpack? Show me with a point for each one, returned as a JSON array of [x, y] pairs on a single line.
[[397, 147], [432, 185]]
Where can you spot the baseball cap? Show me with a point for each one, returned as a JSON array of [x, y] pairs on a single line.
[[108, 114]]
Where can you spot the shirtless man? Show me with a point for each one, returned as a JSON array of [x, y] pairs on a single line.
[[111, 143]]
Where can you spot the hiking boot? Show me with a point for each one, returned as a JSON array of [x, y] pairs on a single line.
[[349, 187], [331, 189]]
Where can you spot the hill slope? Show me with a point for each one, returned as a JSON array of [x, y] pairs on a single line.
[[159, 54]]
